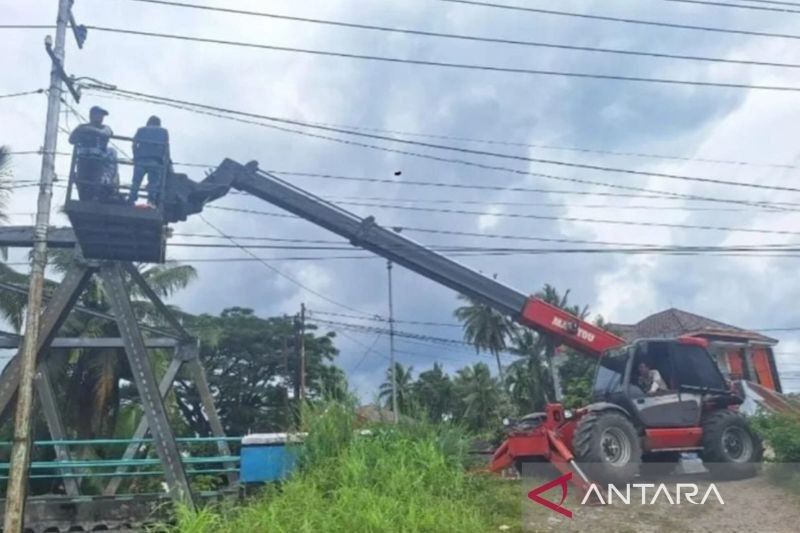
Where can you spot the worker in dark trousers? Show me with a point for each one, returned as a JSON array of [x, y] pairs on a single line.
[[92, 156], [151, 159]]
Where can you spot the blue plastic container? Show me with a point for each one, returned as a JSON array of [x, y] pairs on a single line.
[[268, 457]]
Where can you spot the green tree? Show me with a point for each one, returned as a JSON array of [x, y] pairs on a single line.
[[5, 172], [433, 393], [253, 369], [480, 398], [551, 295], [404, 380], [94, 384], [484, 328], [529, 380]]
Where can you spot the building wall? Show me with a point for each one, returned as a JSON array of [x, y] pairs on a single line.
[[731, 361]]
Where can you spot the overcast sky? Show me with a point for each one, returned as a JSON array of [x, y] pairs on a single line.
[[686, 122]]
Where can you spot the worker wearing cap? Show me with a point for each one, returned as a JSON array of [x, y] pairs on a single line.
[[93, 158], [151, 159]]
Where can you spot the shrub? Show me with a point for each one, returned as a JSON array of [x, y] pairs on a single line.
[[397, 478], [781, 431]]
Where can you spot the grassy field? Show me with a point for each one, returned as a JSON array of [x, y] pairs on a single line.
[[396, 479]]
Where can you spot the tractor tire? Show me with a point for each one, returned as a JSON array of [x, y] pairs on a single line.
[[607, 447], [660, 464], [731, 450]]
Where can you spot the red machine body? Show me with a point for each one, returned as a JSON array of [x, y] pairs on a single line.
[[551, 435], [568, 329]]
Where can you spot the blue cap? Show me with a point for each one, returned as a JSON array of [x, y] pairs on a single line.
[[97, 109]]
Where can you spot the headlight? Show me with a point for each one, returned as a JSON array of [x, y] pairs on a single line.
[[568, 413]]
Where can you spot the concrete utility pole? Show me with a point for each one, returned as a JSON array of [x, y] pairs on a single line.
[[391, 345], [21, 451]]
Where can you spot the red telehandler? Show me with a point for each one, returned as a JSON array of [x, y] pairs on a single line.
[[606, 440]]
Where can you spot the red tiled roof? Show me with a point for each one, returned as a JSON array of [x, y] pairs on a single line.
[[675, 323]]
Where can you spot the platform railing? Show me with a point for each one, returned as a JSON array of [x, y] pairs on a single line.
[[114, 193]]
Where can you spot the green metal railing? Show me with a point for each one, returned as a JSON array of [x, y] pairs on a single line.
[[115, 464]]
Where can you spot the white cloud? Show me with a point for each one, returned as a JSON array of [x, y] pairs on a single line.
[[625, 117]]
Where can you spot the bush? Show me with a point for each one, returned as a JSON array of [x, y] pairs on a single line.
[[781, 431], [398, 478]]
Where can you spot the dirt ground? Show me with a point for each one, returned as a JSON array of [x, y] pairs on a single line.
[[752, 505]]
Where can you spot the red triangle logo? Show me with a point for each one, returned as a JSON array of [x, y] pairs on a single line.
[[560, 481]]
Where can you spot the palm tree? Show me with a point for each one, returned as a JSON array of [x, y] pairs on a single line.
[[550, 295], [5, 166], [485, 328], [433, 393], [480, 397], [92, 391], [404, 381], [529, 381]]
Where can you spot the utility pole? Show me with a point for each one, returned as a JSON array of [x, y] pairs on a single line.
[[302, 351], [391, 344], [285, 354], [21, 451]]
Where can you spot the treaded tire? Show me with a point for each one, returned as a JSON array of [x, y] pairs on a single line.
[[588, 447], [720, 460]]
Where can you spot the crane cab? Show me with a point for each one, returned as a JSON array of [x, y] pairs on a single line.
[[106, 226]]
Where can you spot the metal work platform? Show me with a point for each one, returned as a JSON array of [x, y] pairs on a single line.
[[107, 225], [118, 231]]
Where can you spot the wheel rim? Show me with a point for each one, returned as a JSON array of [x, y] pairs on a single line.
[[737, 444], [615, 446]]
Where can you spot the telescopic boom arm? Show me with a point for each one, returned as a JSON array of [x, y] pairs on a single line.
[[368, 234]]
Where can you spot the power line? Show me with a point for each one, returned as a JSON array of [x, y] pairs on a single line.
[[735, 6], [556, 218], [26, 26], [624, 20], [203, 109], [369, 349], [449, 65], [278, 271], [663, 195], [774, 2], [515, 144], [561, 205], [464, 37], [379, 318], [569, 148], [23, 93], [560, 240]]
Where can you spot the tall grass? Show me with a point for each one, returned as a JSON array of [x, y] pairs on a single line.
[[397, 479]]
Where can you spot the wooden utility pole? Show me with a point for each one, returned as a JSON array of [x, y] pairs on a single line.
[[392, 364], [302, 345], [21, 451]]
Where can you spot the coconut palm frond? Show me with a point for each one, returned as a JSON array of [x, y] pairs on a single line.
[[168, 278]]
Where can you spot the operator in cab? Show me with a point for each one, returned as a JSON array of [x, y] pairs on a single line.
[[151, 159], [650, 380], [96, 162]]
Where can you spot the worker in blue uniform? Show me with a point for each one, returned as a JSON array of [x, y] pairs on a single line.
[[151, 159], [95, 161]]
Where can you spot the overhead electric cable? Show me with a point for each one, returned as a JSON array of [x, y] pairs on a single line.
[[202, 110], [735, 6], [449, 65], [500, 142], [466, 37], [624, 20], [23, 93], [545, 217], [280, 272]]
